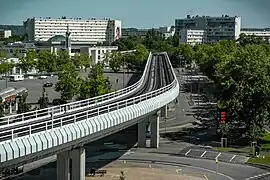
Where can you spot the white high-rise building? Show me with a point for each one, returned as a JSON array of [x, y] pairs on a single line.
[[192, 37], [88, 31], [215, 28], [5, 33]]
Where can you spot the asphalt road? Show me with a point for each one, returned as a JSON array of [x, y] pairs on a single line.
[[34, 86]]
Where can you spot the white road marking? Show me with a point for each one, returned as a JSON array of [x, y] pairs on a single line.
[[233, 157], [258, 176], [187, 152], [218, 155], [203, 153]]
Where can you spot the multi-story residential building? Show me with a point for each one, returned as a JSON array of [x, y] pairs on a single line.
[[127, 32], [5, 33], [216, 28], [16, 30], [88, 31], [192, 37], [261, 32]]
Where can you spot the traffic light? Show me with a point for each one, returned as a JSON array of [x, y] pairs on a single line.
[[222, 117]]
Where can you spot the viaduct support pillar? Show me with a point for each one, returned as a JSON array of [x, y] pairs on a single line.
[[78, 164], [154, 142], [63, 166], [164, 111], [142, 134]]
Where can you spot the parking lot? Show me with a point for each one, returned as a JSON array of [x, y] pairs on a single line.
[[213, 155], [35, 85]]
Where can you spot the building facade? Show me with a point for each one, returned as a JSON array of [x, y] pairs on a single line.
[[5, 33], [260, 32], [215, 28], [192, 37], [90, 31]]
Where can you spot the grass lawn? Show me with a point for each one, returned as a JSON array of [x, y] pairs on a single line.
[[266, 142], [260, 160], [265, 151]]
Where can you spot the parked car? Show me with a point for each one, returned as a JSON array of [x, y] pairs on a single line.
[[43, 77], [58, 102], [48, 84]]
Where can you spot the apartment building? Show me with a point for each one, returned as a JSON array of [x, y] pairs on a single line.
[[261, 32], [5, 33], [215, 28], [88, 31], [192, 37]]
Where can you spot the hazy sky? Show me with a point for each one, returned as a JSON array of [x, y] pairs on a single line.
[[136, 13]]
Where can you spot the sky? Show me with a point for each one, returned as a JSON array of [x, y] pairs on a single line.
[[136, 13]]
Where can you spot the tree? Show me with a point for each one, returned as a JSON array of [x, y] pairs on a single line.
[[28, 62], [241, 75], [47, 62], [43, 100], [95, 84], [63, 58], [22, 104], [116, 60], [69, 82], [82, 61]]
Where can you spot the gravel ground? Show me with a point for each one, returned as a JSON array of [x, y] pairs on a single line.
[[34, 86]]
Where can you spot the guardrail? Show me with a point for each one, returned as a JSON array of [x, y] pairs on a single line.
[[52, 124], [70, 107]]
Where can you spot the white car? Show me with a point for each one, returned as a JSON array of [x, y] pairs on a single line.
[[43, 77]]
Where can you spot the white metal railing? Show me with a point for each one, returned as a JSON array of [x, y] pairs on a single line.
[[29, 130], [70, 107]]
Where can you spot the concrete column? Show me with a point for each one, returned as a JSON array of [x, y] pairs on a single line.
[[63, 166], [10, 107], [16, 105], [154, 142], [78, 164], [164, 111], [142, 134]]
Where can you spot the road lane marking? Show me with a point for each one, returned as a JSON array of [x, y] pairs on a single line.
[[187, 152], [233, 157], [203, 153], [218, 155], [259, 176]]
